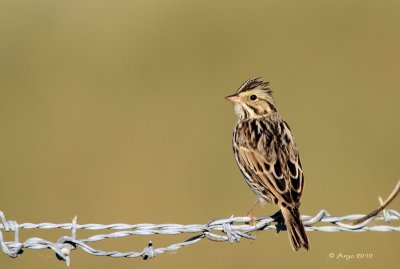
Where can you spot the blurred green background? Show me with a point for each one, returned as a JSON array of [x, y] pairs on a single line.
[[114, 111]]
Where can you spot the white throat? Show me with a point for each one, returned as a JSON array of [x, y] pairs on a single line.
[[239, 111]]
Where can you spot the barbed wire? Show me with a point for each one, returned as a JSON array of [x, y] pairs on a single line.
[[220, 230]]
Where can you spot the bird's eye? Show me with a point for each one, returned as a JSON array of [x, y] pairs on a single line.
[[253, 97]]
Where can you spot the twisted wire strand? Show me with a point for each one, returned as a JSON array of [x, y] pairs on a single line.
[[230, 229]]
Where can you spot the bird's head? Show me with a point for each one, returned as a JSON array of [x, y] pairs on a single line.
[[253, 99]]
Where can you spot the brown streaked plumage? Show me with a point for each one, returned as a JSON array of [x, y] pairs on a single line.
[[266, 154]]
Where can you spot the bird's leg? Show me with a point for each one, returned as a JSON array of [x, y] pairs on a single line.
[[250, 213], [280, 221]]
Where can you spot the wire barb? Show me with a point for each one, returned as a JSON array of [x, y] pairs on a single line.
[[221, 230]]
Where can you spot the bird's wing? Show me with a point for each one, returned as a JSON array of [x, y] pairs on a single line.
[[279, 171]]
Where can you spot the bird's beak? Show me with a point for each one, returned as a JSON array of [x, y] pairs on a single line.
[[233, 98]]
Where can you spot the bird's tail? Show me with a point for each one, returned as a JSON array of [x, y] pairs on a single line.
[[295, 227]]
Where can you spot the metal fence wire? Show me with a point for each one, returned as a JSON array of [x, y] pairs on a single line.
[[218, 230]]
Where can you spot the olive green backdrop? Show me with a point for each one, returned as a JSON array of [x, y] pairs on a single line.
[[114, 111]]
